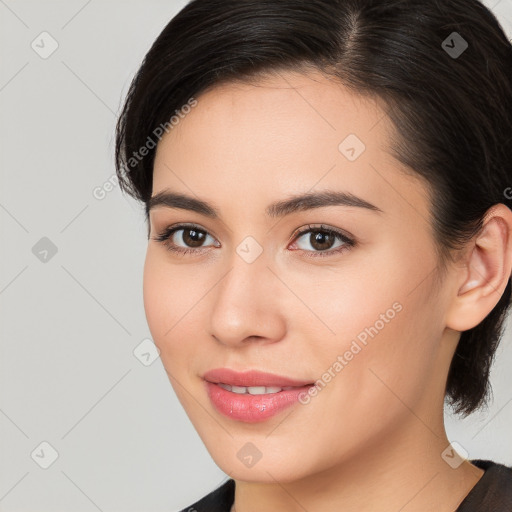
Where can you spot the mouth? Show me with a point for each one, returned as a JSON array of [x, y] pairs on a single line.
[[254, 390], [253, 396]]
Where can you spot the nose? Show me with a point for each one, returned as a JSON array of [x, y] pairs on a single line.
[[247, 305]]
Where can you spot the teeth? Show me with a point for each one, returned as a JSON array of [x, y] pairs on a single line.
[[253, 390]]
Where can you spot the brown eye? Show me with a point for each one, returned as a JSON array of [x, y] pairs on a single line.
[[322, 239], [192, 237], [184, 239]]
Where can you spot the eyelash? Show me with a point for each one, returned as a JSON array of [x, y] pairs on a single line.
[[167, 233]]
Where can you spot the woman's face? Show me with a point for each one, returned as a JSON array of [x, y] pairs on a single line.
[[364, 318]]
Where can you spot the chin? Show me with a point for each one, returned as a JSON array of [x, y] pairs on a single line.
[[242, 460]]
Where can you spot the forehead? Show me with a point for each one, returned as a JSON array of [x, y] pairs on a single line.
[[285, 134], [285, 106]]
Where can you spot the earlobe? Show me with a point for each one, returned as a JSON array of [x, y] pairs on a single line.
[[487, 271]]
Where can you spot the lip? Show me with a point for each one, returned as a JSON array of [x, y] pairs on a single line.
[[251, 378], [252, 408]]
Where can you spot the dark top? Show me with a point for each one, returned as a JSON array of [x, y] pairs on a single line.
[[492, 493]]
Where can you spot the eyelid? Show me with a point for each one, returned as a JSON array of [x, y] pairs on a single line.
[[321, 227]]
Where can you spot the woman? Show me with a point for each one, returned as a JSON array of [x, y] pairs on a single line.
[[329, 243]]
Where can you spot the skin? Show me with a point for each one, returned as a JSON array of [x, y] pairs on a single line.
[[372, 438]]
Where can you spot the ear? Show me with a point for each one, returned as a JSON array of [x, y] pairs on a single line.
[[484, 276]]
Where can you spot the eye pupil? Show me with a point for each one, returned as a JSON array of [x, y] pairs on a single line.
[[320, 238], [195, 239]]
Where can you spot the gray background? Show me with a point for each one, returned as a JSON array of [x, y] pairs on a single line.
[[71, 320]]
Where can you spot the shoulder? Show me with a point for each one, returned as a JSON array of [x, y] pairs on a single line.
[[219, 500], [493, 492]]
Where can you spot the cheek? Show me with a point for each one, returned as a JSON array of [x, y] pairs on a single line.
[[383, 339], [367, 384], [356, 302], [165, 301], [175, 312], [155, 297]]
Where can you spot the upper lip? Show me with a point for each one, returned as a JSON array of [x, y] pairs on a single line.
[[251, 378]]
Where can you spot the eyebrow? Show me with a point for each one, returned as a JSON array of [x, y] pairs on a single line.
[[282, 208]]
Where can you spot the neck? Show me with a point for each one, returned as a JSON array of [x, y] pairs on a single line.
[[403, 471]]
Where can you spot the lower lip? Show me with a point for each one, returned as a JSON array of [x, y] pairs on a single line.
[[252, 408]]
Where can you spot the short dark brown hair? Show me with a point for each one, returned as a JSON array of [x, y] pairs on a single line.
[[442, 68]]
